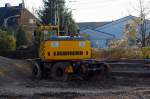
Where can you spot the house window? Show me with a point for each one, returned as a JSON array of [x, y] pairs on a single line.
[[32, 21]]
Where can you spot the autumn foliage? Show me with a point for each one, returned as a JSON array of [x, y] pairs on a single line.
[[117, 53]]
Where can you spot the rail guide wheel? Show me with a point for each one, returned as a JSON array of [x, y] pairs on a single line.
[[36, 71], [58, 71]]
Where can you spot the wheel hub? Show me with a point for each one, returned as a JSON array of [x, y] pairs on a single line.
[[59, 72]]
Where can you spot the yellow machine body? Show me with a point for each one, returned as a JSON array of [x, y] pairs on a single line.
[[55, 47], [65, 50]]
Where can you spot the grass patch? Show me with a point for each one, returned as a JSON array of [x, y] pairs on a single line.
[[118, 53]]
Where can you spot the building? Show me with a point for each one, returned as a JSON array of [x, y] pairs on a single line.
[[116, 27], [101, 35], [91, 25], [14, 17], [98, 39]]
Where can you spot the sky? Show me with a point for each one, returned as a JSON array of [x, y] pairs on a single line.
[[90, 10]]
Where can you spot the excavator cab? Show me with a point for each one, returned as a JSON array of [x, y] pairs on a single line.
[[45, 32]]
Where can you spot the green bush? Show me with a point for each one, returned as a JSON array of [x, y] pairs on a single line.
[[21, 38], [7, 42]]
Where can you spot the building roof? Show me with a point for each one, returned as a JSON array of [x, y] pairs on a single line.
[[116, 27], [9, 11], [124, 19], [90, 25], [96, 34]]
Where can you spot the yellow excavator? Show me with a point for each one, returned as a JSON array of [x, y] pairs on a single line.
[[64, 57]]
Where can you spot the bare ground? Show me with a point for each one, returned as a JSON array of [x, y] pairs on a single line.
[[16, 83]]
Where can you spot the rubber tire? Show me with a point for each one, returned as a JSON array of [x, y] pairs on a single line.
[[36, 71], [61, 66], [106, 72], [107, 69]]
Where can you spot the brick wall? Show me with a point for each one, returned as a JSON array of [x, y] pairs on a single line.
[[27, 22]]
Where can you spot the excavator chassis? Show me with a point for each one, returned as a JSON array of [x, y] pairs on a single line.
[[69, 69]]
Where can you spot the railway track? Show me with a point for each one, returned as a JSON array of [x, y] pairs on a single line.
[[120, 67], [130, 69]]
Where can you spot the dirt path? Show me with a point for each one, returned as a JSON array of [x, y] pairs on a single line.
[[15, 83], [40, 92], [12, 71]]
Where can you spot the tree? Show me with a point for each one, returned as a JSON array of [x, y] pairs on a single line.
[[54, 12], [7, 41], [130, 32], [129, 37], [69, 24], [143, 11], [21, 38]]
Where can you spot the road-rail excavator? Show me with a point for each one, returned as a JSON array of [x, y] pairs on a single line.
[[64, 57]]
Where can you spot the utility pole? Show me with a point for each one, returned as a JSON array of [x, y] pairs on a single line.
[[23, 3], [56, 12], [53, 12]]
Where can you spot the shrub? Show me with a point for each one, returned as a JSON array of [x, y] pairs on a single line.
[[7, 42], [117, 53], [146, 52], [21, 38]]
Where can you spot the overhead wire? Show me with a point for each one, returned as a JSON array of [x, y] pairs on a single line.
[[92, 4]]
